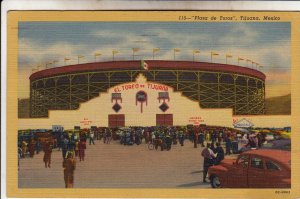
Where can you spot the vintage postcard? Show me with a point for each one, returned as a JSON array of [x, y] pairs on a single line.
[[196, 104]]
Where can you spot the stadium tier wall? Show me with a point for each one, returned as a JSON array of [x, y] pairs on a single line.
[[212, 85]]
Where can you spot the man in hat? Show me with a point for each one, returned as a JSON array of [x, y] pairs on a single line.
[[69, 165]]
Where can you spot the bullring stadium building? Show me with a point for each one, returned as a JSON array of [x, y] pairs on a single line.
[[148, 93]]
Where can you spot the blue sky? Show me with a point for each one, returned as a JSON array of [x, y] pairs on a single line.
[[265, 43]]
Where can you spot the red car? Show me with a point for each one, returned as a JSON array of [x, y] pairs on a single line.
[[263, 168]]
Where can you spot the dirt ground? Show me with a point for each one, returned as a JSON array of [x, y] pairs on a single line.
[[118, 166]]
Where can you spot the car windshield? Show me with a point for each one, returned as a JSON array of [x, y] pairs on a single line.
[[243, 161]]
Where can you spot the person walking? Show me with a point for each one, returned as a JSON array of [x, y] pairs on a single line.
[[208, 156], [81, 148], [47, 154], [92, 135], [24, 148], [65, 147], [38, 146], [69, 165], [31, 148]]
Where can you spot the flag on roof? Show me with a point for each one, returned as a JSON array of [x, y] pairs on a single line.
[[155, 50], [135, 49], [144, 65]]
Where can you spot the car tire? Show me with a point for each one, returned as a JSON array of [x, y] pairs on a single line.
[[215, 181]]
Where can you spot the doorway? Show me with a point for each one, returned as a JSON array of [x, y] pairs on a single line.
[[164, 119], [116, 120]]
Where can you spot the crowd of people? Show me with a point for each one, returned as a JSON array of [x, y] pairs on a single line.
[[73, 145]]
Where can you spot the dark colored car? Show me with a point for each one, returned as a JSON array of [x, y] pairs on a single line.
[[283, 144], [263, 168]]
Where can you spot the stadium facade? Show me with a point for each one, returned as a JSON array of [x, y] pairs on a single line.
[[211, 85]]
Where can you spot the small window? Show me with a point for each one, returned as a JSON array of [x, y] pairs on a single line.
[[272, 166], [257, 163], [243, 161]]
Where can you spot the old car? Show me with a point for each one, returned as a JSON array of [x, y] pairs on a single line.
[[263, 168], [282, 144]]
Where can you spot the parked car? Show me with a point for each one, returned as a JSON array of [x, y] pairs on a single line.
[[285, 134], [263, 168], [282, 144]]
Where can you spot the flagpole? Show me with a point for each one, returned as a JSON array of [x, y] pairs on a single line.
[[132, 54], [174, 54], [54, 61], [193, 56]]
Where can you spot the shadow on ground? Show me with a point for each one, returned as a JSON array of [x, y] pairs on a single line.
[[193, 184]]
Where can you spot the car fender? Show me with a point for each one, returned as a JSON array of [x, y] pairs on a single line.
[[220, 171]]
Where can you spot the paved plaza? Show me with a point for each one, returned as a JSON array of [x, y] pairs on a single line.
[[118, 166]]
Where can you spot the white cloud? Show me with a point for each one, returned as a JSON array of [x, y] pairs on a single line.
[[275, 57], [39, 54], [241, 35]]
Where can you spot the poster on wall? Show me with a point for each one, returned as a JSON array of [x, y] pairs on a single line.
[[163, 104]]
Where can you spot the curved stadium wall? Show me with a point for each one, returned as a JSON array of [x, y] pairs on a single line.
[[213, 85]]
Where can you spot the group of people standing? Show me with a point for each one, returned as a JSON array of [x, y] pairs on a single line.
[[212, 156], [73, 146], [31, 147]]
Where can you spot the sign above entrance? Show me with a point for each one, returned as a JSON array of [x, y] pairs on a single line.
[[137, 86]]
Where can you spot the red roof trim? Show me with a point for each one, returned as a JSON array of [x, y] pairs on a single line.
[[152, 64]]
